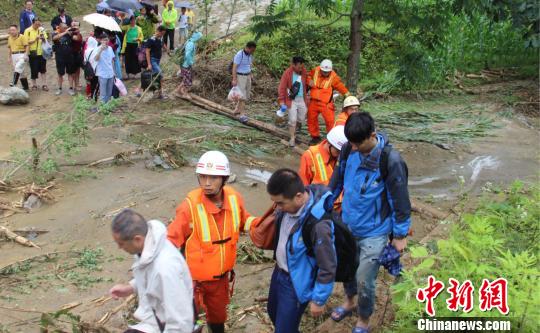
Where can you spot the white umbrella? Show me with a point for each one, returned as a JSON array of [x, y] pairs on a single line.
[[102, 21]]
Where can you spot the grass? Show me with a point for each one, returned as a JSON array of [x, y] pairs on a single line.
[[441, 121]]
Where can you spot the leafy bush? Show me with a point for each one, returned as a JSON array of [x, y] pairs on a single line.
[[310, 41], [500, 239]]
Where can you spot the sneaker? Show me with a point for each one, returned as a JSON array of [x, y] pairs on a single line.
[[58, 92], [71, 92]]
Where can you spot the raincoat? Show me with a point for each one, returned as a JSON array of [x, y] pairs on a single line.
[[191, 49], [163, 284], [169, 17]]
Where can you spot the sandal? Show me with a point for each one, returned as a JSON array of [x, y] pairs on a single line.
[[34, 88], [341, 313], [44, 87]]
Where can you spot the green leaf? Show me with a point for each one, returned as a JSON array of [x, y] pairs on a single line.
[[419, 252]]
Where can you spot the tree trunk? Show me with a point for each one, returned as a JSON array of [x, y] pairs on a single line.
[[233, 11], [355, 46]]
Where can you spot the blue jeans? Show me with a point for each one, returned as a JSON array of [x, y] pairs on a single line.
[[369, 250], [105, 88], [155, 65], [284, 308]]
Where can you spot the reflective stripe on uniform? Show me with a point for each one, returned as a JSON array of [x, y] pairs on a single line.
[[205, 227], [233, 201], [249, 220], [328, 82], [322, 168]]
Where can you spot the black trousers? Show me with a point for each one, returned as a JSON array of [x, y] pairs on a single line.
[[169, 34]]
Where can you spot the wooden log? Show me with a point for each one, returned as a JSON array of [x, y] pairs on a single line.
[[16, 238], [427, 210], [260, 125], [3, 37]]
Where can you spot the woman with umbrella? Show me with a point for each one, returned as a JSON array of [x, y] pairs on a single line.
[[133, 37]]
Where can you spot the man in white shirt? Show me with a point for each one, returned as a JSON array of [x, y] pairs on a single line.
[[161, 276], [183, 31]]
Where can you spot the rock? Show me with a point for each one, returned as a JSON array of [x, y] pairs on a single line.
[[13, 96], [32, 202], [155, 162]]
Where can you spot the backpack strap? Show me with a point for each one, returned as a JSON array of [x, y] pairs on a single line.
[[383, 161]]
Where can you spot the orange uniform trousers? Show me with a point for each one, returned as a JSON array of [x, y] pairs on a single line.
[[212, 297], [315, 108]]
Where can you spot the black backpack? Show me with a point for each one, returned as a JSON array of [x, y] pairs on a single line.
[[89, 72], [344, 243]]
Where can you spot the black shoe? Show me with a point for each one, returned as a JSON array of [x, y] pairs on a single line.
[[315, 140], [216, 328]]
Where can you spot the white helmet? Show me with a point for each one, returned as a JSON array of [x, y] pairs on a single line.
[[326, 65], [213, 163], [336, 137], [350, 101]]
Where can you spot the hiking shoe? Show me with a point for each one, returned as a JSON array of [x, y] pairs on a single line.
[[71, 92], [58, 92]]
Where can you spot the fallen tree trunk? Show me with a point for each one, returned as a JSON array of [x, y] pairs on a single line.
[[260, 125], [16, 238], [427, 210]]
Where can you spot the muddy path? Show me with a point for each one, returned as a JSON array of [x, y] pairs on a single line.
[[79, 219], [84, 261]]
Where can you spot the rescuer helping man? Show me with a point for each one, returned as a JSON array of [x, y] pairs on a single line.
[[207, 228]]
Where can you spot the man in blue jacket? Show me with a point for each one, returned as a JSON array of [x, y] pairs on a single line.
[[26, 16], [299, 279], [376, 207]]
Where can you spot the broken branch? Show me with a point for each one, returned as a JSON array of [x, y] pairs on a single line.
[[16, 238]]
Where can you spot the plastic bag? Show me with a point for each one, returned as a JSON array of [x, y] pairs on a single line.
[[19, 65], [235, 94], [121, 87], [47, 50]]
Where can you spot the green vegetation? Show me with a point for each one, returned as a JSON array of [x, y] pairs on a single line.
[[405, 44], [437, 122], [46, 10], [501, 238]]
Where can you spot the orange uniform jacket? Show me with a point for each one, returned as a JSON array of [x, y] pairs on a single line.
[[209, 233], [323, 87], [341, 119], [316, 165]]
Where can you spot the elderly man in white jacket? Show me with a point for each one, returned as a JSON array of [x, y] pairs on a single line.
[[161, 276]]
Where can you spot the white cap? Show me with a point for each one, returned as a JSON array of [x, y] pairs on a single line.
[[213, 163], [326, 65], [336, 137], [350, 101], [280, 113]]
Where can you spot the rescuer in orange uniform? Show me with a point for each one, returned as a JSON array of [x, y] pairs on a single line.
[[322, 82], [318, 162], [207, 227], [350, 105]]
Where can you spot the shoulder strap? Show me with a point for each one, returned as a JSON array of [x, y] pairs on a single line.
[[345, 152], [383, 163]]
